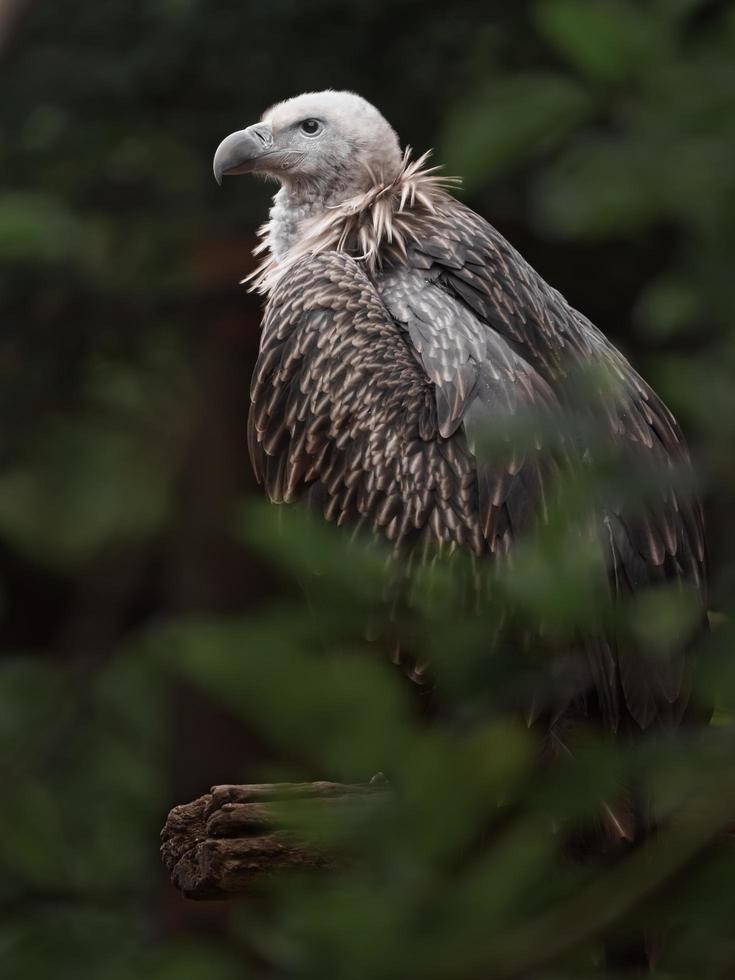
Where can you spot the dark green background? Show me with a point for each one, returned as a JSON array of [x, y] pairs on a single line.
[[598, 135]]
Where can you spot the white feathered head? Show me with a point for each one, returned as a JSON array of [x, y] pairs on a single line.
[[321, 141]]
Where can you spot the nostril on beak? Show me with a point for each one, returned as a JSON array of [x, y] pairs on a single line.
[[262, 134], [241, 152]]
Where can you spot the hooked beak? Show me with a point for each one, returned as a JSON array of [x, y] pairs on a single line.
[[241, 152]]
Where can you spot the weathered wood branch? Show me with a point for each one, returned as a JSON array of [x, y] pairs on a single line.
[[216, 846]]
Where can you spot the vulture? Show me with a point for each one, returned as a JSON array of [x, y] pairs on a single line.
[[398, 325]]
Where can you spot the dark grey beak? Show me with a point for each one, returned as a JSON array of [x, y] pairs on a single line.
[[240, 153]]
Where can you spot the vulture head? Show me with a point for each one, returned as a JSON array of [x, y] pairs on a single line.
[[320, 145]]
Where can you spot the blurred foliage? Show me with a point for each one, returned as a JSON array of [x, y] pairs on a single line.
[[155, 634]]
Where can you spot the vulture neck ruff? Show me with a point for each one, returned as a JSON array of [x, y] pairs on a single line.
[[372, 226]]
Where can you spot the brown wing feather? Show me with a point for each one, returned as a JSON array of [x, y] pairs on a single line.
[[343, 413], [366, 402], [661, 540]]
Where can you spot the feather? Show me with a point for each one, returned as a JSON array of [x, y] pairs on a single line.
[[400, 329], [372, 225]]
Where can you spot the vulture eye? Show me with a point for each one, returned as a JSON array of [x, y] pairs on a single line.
[[310, 127]]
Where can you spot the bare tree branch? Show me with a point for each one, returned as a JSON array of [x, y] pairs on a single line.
[[216, 846]]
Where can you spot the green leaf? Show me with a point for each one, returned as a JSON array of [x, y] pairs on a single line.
[[345, 711], [516, 118], [86, 485], [599, 188], [603, 40], [37, 228], [662, 619], [668, 306]]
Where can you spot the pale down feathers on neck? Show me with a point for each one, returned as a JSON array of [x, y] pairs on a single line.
[[372, 226]]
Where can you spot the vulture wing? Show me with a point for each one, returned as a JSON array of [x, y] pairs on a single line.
[[344, 414], [470, 303]]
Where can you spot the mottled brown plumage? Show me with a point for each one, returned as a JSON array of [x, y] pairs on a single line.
[[399, 325]]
